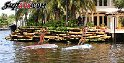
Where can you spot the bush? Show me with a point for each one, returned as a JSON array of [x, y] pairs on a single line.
[[90, 24], [71, 23]]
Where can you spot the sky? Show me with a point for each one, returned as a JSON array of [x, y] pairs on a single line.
[[6, 11]]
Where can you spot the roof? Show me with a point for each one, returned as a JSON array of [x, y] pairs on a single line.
[[108, 10]]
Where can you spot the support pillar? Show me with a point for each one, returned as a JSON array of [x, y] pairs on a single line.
[[108, 21], [108, 3], [102, 19], [102, 2], [97, 2], [117, 23], [85, 22], [97, 19], [92, 17]]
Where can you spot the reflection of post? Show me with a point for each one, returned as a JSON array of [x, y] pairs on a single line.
[[112, 27]]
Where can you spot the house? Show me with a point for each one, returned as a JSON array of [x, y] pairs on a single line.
[[106, 14]]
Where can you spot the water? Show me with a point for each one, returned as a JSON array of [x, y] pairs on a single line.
[[13, 52]]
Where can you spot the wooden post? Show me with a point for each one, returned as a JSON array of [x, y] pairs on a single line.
[[114, 32]]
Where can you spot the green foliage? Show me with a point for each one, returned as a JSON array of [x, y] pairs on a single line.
[[60, 25], [51, 28], [11, 18], [71, 23], [119, 4], [56, 10], [90, 24], [122, 21], [54, 23], [61, 28], [6, 20]]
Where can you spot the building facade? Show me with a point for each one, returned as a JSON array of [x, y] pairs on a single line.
[[100, 17], [105, 14]]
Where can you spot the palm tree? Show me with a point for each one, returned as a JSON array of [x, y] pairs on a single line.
[[71, 7], [119, 4], [85, 6], [22, 12], [55, 9], [4, 19]]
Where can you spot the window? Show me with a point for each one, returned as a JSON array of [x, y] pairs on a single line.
[[100, 19], [105, 20], [100, 2], [105, 2], [95, 20]]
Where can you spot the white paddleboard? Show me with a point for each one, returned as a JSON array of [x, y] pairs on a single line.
[[85, 46], [41, 46]]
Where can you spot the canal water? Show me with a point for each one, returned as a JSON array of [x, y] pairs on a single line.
[[13, 52]]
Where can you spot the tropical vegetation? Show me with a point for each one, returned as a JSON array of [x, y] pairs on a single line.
[[120, 4], [6, 20], [56, 10]]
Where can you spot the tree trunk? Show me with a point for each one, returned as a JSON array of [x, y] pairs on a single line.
[[73, 12], [26, 19], [16, 16], [66, 12], [45, 16], [85, 22]]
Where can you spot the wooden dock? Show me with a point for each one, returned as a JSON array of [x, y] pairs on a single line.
[[4, 28], [117, 31], [72, 35]]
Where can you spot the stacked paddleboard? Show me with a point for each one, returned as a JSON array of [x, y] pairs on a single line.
[[41, 46]]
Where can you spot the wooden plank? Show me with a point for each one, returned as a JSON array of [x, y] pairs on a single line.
[[100, 32], [94, 37], [105, 37], [13, 35], [76, 33]]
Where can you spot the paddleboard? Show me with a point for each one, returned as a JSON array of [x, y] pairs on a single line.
[[85, 46], [41, 46]]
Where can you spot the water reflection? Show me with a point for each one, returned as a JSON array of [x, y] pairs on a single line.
[[117, 53], [7, 54], [13, 52]]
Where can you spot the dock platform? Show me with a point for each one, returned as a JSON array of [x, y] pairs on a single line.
[[117, 31], [4, 28]]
